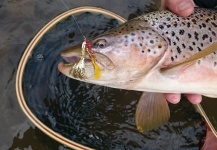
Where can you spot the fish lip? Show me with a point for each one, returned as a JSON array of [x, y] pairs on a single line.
[[73, 58]]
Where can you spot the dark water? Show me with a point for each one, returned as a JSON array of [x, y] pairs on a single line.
[[95, 116]]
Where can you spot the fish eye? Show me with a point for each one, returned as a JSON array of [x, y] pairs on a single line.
[[100, 43]]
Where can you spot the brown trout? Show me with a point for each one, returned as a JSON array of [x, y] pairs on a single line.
[[158, 52]]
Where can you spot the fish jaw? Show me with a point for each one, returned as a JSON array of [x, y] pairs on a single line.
[[73, 55]]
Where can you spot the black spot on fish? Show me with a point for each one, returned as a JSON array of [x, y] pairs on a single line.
[[168, 19], [205, 36], [151, 41], [159, 46], [161, 27], [196, 35], [188, 24], [140, 44], [149, 50], [201, 44], [126, 36], [191, 48], [174, 43], [143, 31], [214, 24], [198, 62], [176, 56], [199, 49], [133, 34], [204, 25], [179, 50], [168, 26], [181, 32], [210, 39], [177, 38], [150, 33], [200, 26], [194, 21], [172, 58], [215, 63], [213, 33], [173, 33], [143, 51], [193, 43], [183, 45], [132, 40], [207, 20], [189, 35]]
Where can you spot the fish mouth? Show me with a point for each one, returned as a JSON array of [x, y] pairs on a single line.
[[73, 56]]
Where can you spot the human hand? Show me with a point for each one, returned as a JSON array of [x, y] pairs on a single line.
[[182, 8]]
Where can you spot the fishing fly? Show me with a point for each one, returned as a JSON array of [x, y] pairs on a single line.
[[78, 69]]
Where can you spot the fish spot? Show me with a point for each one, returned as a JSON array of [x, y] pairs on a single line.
[[183, 45], [215, 63], [199, 49], [143, 51], [193, 43], [214, 24], [181, 32], [168, 26], [191, 48], [177, 38], [205, 36], [210, 39], [161, 26], [179, 50], [140, 44], [133, 34], [189, 35], [159, 46], [196, 35], [173, 33], [172, 58], [188, 24], [204, 25], [149, 50], [151, 41]]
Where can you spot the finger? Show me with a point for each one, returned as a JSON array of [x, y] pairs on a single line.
[[194, 98], [173, 98], [181, 7]]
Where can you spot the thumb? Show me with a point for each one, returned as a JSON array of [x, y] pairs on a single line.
[[180, 7]]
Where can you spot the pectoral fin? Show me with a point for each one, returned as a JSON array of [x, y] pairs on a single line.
[[152, 111]]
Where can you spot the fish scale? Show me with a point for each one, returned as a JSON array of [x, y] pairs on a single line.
[[185, 35]]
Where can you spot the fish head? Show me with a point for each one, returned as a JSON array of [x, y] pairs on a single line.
[[124, 54]]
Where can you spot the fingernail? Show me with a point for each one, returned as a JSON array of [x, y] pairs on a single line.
[[184, 6]]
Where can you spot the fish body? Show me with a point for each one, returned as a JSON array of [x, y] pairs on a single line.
[[158, 52]]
